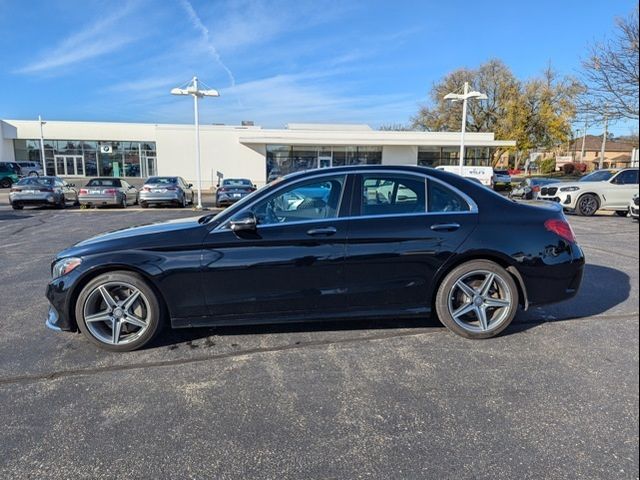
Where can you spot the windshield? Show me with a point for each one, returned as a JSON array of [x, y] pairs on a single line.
[[598, 176], [162, 180], [36, 181], [237, 182]]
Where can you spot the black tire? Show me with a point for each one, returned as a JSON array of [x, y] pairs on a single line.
[[34, 174], [62, 203], [447, 288], [622, 213], [123, 202], [155, 313], [587, 205], [5, 183], [144, 205], [184, 200], [15, 206], [192, 199]]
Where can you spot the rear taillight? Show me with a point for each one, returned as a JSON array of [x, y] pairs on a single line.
[[222, 189], [146, 189], [561, 228], [14, 190], [84, 191], [110, 191]]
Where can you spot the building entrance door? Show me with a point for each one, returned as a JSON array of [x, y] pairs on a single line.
[[325, 159], [69, 165]]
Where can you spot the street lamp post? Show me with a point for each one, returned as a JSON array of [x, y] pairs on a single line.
[[194, 90], [456, 97], [44, 161]]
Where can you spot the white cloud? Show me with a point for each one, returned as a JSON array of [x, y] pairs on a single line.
[[206, 38], [97, 39]]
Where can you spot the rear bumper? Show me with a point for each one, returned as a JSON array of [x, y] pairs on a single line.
[[17, 198], [99, 200], [169, 197]]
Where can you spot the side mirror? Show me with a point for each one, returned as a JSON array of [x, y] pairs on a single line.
[[243, 222], [189, 185]]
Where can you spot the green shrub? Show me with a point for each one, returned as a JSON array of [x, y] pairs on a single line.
[[548, 165]]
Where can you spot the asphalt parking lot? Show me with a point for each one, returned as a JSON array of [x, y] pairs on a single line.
[[556, 396]]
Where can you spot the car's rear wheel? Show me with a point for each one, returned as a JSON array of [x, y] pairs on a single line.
[[33, 174], [144, 205], [123, 202], [588, 204], [62, 202], [17, 206], [5, 183], [622, 213], [118, 311], [477, 299]]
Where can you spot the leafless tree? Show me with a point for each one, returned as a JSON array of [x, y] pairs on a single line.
[[611, 73]]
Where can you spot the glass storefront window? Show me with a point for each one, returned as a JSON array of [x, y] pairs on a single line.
[[437, 156], [88, 158]]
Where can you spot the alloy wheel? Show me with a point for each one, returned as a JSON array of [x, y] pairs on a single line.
[[116, 313], [588, 205], [480, 301]]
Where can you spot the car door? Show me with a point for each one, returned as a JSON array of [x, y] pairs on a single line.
[[402, 230], [292, 262], [620, 189]]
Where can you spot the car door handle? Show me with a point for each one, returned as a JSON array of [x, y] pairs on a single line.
[[324, 231], [445, 227]]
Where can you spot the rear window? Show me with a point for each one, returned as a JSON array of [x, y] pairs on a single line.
[[236, 182], [104, 182], [386, 194], [36, 181], [163, 180]]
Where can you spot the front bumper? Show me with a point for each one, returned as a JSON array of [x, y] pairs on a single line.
[[566, 199], [634, 210], [229, 199], [59, 315]]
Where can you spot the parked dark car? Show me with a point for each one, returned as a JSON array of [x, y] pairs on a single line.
[[529, 188], [167, 191], [7, 176], [340, 243], [99, 192], [233, 189], [42, 191]]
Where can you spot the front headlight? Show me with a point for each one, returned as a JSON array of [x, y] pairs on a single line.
[[64, 266], [569, 189]]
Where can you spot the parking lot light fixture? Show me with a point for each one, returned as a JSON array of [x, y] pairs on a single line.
[[193, 89], [44, 162], [456, 97]]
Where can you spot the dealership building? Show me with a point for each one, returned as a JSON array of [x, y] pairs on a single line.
[[139, 150]]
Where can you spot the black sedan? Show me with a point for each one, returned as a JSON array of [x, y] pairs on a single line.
[[341, 243], [233, 189]]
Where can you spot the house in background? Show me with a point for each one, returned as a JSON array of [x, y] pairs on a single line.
[[617, 153]]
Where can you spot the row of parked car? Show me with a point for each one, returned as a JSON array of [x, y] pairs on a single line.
[[106, 191], [609, 189]]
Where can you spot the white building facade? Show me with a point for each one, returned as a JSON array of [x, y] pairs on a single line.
[[134, 150]]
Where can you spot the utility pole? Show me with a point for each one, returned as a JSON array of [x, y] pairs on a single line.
[[44, 162], [604, 142], [584, 136]]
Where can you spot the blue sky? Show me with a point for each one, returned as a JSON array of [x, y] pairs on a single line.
[[274, 62]]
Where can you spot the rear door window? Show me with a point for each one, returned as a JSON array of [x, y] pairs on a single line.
[[392, 194], [443, 199]]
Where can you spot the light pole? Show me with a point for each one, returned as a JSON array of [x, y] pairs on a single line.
[[44, 162], [456, 97], [193, 90]]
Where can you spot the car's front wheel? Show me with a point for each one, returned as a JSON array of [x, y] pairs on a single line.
[[118, 311], [477, 299], [588, 205]]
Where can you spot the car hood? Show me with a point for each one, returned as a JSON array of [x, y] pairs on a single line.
[[564, 184], [156, 235]]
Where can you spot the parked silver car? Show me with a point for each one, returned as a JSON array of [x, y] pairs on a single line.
[[166, 191], [30, 169], [108, 191], [39, 191]]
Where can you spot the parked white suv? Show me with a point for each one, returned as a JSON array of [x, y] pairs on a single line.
[[30, 169], [613, 191]]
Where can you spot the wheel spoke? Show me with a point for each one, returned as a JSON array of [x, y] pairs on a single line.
[[134, 320], [115, 331], [466, 308], [481, 313], [468, 291], [103, 316], [496, 302], [108, 299], [128, 303], [486, 285]]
